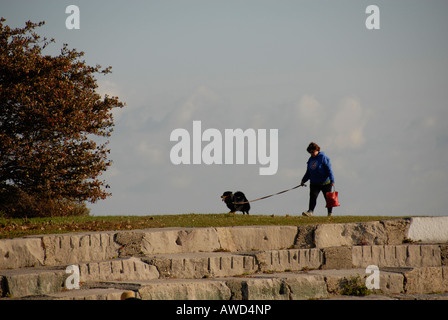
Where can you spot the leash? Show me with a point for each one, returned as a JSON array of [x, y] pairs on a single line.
[[271, 195]]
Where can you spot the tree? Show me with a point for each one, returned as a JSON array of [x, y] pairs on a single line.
[[53, 124]]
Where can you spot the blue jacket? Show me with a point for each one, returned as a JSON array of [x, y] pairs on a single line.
[[319, 170]]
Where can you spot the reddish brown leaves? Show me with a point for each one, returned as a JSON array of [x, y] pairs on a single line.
[[50, 119]]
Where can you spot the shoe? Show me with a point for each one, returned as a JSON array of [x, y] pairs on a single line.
[[330, 214], [307, 213]]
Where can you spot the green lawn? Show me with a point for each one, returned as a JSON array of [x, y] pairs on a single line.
[[10, 228]]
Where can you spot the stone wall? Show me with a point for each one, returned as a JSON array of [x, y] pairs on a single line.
[[72, 248], [251, 262]]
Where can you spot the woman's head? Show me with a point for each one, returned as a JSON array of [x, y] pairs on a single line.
[[313, 149]]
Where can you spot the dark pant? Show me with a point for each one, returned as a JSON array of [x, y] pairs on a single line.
[[314, 192]]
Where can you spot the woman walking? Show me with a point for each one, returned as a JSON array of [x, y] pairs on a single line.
[[320, 175]]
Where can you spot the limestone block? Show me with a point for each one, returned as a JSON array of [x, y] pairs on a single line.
[[117, 270], [364, 233], [264, 289], [349, 234], [423, 256], [203, 265], [305, 236], [391, 282], [132, 243], [185, 290], [90, 294], [232, 265], [426, 280], [405, 255], [290, 259], [396, 230], [331, 235], [73, 248], [193, 267], [306, 287], [338, 258], [26, 282], [198, 239], [256, 237], [167, 240], [281, 286], [21, 252], [428, 229], [390, 256]]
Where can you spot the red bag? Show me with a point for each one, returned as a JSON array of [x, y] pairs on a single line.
[[332, 199]]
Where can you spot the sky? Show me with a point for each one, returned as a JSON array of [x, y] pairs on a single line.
[[375, 100]]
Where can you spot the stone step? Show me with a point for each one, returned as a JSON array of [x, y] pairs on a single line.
[[31, 281], [83, 247], [81, 294], [299, 285], [215, 262], [75, 248], [48, 280], [401, 255], [205, 265], [397, 283], [224, 264]]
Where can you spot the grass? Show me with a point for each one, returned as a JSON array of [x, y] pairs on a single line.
[[355, 286], [11, 228]]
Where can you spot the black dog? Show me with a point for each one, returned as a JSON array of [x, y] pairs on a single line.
[[233, 202]]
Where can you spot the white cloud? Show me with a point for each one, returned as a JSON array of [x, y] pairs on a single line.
[[108, 87], [310, 112], [430, 122], [196, 107], [343, 128], [349, 123], [151, 152]]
